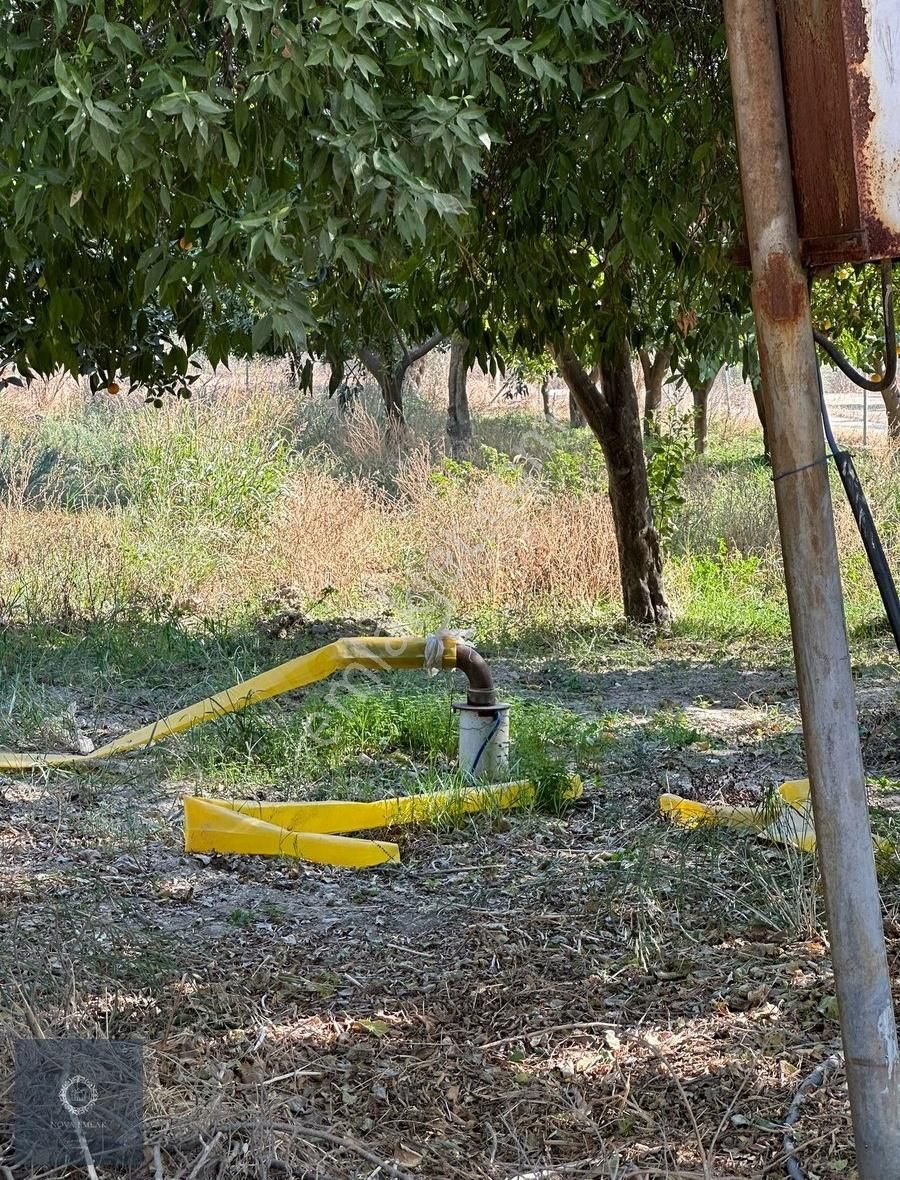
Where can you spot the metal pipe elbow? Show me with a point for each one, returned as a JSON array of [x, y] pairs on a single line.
[[481, 691]]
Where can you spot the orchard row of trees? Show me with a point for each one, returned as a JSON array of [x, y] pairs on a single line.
[[362, 179]]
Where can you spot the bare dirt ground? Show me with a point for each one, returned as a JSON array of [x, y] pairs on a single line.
[[525, 997]]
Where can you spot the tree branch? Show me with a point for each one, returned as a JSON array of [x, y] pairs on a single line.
[[655, 368], [661, 361], [373, 362], [646, 364], [385, 311], [582, 384], [411, 355], [419, 350]]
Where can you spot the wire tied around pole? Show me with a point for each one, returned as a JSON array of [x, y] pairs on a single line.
[[890, 340], [797, 470]]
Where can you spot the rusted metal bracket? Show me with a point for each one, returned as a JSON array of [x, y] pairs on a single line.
[[842, 97]]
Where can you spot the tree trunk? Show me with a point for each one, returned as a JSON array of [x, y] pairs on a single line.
[[761, 412], [459, 422], [891, 397], [545, 398], [654, 374], [417, 372], [390, 381], [293, 368], [392, 392], [613, 415], [576, 418], [700, 395]]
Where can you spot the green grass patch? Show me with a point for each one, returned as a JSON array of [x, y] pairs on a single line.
[[726, 595], [374, 741]]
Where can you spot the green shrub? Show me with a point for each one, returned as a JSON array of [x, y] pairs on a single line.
[[669, 448], [190, 470], [575, 472]]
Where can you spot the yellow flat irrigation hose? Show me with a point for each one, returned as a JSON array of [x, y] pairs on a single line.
[[790, 823], [364, 654], [311, 831], [212, 826]]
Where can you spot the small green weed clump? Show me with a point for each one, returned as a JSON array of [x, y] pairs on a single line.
[[669, 447]]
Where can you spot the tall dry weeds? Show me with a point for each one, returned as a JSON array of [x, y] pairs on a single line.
[[490, 543], [250, 491]]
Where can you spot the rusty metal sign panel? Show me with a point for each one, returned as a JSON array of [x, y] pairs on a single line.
[[841, 62]]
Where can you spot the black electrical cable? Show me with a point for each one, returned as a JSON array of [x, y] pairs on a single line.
[[890, 340], [865, 522], [843, 460], [817, 1078], [484, 745]]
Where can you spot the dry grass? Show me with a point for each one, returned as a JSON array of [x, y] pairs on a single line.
[[217, 505], [476, 1015], [493, 544], [249, 494]]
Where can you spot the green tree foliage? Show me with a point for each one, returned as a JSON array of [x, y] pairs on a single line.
[[154, 153], [615, 199], [846, 305], [607, 217]]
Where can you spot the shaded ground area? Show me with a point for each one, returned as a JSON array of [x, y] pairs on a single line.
[[526, 996]]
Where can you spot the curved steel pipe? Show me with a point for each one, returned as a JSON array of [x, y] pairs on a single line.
[[481, 691]]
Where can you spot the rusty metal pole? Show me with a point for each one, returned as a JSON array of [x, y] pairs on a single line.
[[812, 576]]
